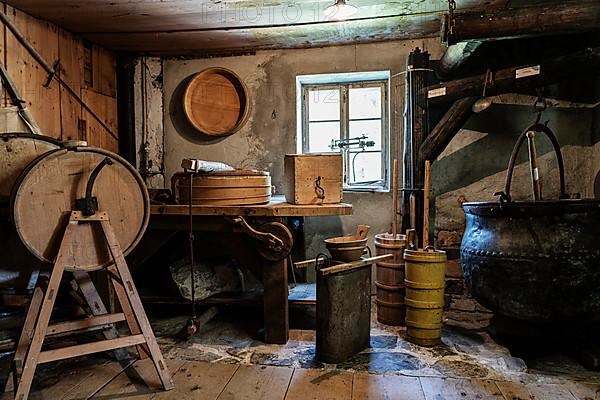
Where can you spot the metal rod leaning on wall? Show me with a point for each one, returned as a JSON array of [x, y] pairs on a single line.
[[52, 72]]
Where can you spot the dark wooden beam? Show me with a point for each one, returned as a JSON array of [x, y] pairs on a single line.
[[523, 22], [446, 129], [454, 57], [518, 78]]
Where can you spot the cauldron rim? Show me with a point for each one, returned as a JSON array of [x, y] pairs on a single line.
[[532, 208]]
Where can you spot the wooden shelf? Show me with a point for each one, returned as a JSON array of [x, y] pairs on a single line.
[[278, 207]]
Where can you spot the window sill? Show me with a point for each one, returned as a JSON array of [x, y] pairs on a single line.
[[366, 190]]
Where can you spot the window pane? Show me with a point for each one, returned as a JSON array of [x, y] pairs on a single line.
[[366, 167], [324, 105], [365, 102], [320, 135], [371, 129]]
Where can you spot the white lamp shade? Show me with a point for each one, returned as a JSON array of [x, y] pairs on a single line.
[[339, 11]]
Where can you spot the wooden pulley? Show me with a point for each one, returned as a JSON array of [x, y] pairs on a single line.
[[284, 245], [55, 184], [17, 150]]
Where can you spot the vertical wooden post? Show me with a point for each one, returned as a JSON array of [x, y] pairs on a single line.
[[25, 339], [23, 385], [275, 282], [395, 201], [426, 198]]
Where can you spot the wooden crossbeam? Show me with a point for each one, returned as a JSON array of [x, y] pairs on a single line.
[[85, 323], [342, 267], [89, 348], [513, 79], [363, 262]]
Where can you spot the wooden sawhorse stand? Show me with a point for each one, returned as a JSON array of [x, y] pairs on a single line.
[[29, 352]]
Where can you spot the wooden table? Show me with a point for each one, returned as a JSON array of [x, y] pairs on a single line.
[[274, 273]]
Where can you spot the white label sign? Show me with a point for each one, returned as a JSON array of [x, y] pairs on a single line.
[[528, 71], [436, 92]]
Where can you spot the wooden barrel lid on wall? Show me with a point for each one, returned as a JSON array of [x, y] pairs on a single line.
[[225, 188], [17, 150], [46, 193], [216, 102]]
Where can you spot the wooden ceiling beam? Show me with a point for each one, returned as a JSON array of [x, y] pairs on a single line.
[[267, 38], [183, 27], [518, 78], [472, 29], [523, 22]]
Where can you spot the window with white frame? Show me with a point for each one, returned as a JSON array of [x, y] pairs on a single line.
[[348, 116]]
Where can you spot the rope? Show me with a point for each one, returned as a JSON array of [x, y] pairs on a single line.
[[191, 240]]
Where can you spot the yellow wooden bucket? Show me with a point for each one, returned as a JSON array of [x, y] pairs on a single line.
[[425, 283]]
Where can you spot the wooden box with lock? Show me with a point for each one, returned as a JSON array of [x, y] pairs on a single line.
[[313, 178]]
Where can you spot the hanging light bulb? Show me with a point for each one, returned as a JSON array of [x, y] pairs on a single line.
[[339, 11]]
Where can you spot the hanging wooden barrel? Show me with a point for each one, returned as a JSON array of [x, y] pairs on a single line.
[[47, 190], [216, 102], [425, 283], [391, 309], [17, 150], [223, 188]]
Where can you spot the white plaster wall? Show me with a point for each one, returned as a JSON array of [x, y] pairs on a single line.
[[271, 129]]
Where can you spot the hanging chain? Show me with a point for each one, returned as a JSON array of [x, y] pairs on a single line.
[[451, 19]]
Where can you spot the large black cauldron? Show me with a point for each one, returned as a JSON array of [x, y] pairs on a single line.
[[534, 261]]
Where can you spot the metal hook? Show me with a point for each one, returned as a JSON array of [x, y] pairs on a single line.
[[503, 197], [319, 190], [539, 106]]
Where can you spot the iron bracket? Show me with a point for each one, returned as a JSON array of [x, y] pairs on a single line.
[[89, 204]]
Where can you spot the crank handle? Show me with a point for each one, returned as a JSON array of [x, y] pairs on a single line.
[[269, 238]]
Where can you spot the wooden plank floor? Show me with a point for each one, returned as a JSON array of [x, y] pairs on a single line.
[[208, 381]]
